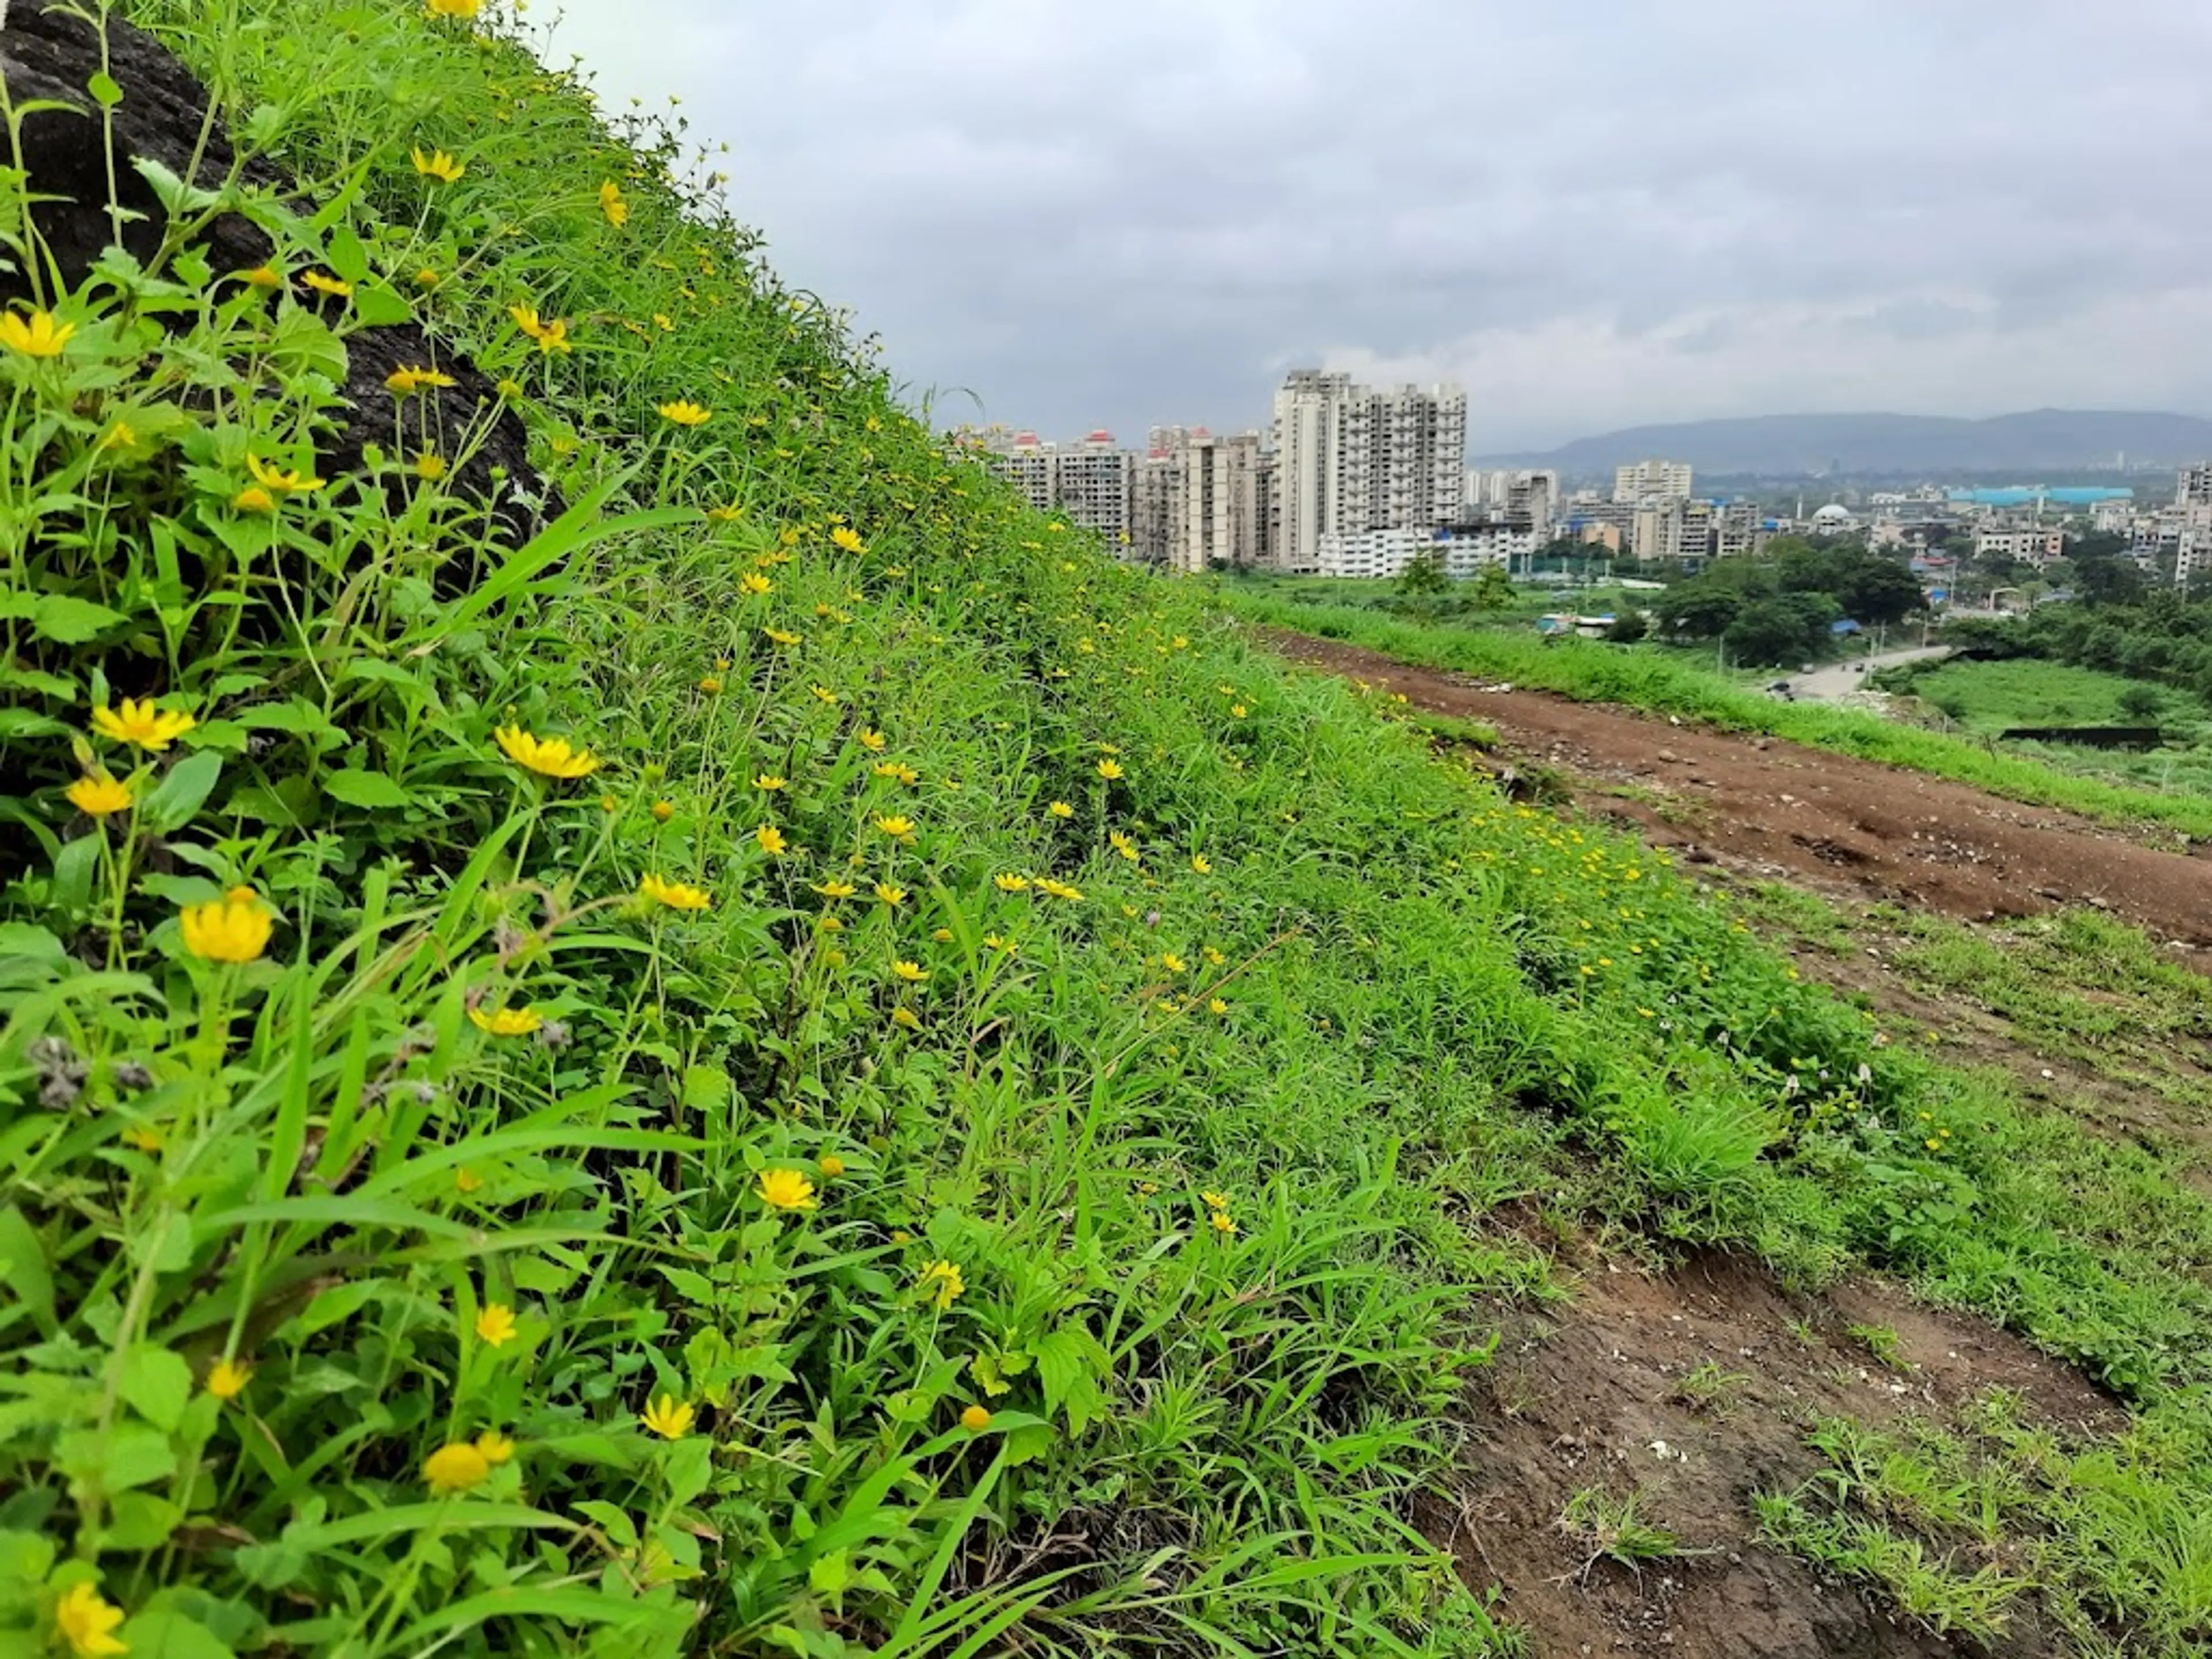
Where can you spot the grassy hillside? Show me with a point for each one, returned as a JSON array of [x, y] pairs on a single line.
[[798, 1062], [1645, 677]]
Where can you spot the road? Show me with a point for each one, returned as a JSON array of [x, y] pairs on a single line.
[[1838, 679]]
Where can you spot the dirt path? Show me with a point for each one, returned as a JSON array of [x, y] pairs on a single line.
[[1777, 810], [1593, 1394]]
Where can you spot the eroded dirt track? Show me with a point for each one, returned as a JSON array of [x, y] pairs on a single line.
[[1592, 1395], [1807, 816]]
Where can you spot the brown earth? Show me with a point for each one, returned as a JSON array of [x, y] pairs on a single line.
[[1838, 824], [1590, 1394]]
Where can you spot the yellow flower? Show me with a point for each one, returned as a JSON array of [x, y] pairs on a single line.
[[976, 1419], [768, 780], [836, 889], [1123, 845], [1060, 890], [145, 1140], [908, 1018], [550, 336], [455, 1468], [461, 8], [36, 335], [495, 1324], [1237, 710], [673, 895], [663, 811], [668, 1417], [942, 1283], [495, 1447], [1010, 884], [848, 539], [1061, 808], [910, 972], [85, 1620], [97, 794], [831, 1167], [118, 435], [233, 928], [612, 205], [753, 583], [1109, 770], [1214, 955], [723, 514], [411, 378], [507, 1021], [1200, 862], [870, 738], [325, 284], [685, 412], [895, 825], [785, 1189], [550, 758], [427, 277], [770, 839], [1216, 1006], [823, 694], [1223, 1224], [286, 481], [429, 466], [437, 165], [1173, 963], [890, 895], [711, 684], [253, 499], [1214, 1201], [228, 1377], [262, 277], [782, 638], [466, 1181]]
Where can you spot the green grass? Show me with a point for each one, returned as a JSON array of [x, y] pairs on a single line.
[[1958, 1526], [983, 1059], [1643, 676], [1989, 697]]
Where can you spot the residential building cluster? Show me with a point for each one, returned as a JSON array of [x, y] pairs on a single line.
[[1352, 480]]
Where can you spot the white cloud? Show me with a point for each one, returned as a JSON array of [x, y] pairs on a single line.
[[1596, 215]]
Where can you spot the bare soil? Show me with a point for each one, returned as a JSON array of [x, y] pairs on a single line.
[[1838, 824], [1590, 1394]]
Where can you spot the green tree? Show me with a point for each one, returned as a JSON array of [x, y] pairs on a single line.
[[1789, 628], [1493, 589], [1424, 577]]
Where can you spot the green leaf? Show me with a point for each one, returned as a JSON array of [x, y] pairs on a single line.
[[126, 1456], [690, 1466], [139, 1521], [157, 1383], [180, 199], [165, 1635], [1069, 1364], [348, 257], [103, 88], [379, 305], [183, 792], [67, 620], [23, 1269], [831, 1574], [373, 791]]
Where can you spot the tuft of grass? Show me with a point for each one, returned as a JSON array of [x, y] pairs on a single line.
[[1707, 1387], [1614, 1530]]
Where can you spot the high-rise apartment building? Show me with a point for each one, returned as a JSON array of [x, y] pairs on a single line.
[[1203, 502], [1652, 481], [1351, 460], [1093, 482]]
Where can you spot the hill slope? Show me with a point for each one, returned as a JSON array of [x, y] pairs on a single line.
[[788, 1059], [2046, 439]]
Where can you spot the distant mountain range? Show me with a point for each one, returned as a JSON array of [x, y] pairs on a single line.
[[1777, 445]]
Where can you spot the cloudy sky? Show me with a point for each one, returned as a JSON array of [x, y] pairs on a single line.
[[1592, 215]]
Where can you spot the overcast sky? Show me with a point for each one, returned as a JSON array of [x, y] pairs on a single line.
[[1593, 215]]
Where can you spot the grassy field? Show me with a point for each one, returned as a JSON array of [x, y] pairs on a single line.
[[1989, 697], [793, 1061], [1645, 677]]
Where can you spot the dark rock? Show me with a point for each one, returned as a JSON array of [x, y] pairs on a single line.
[[51, 55]]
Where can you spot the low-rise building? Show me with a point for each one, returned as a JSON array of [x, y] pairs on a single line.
[[2021, 546]]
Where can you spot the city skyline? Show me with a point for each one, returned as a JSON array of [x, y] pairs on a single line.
[[1592, 217]]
